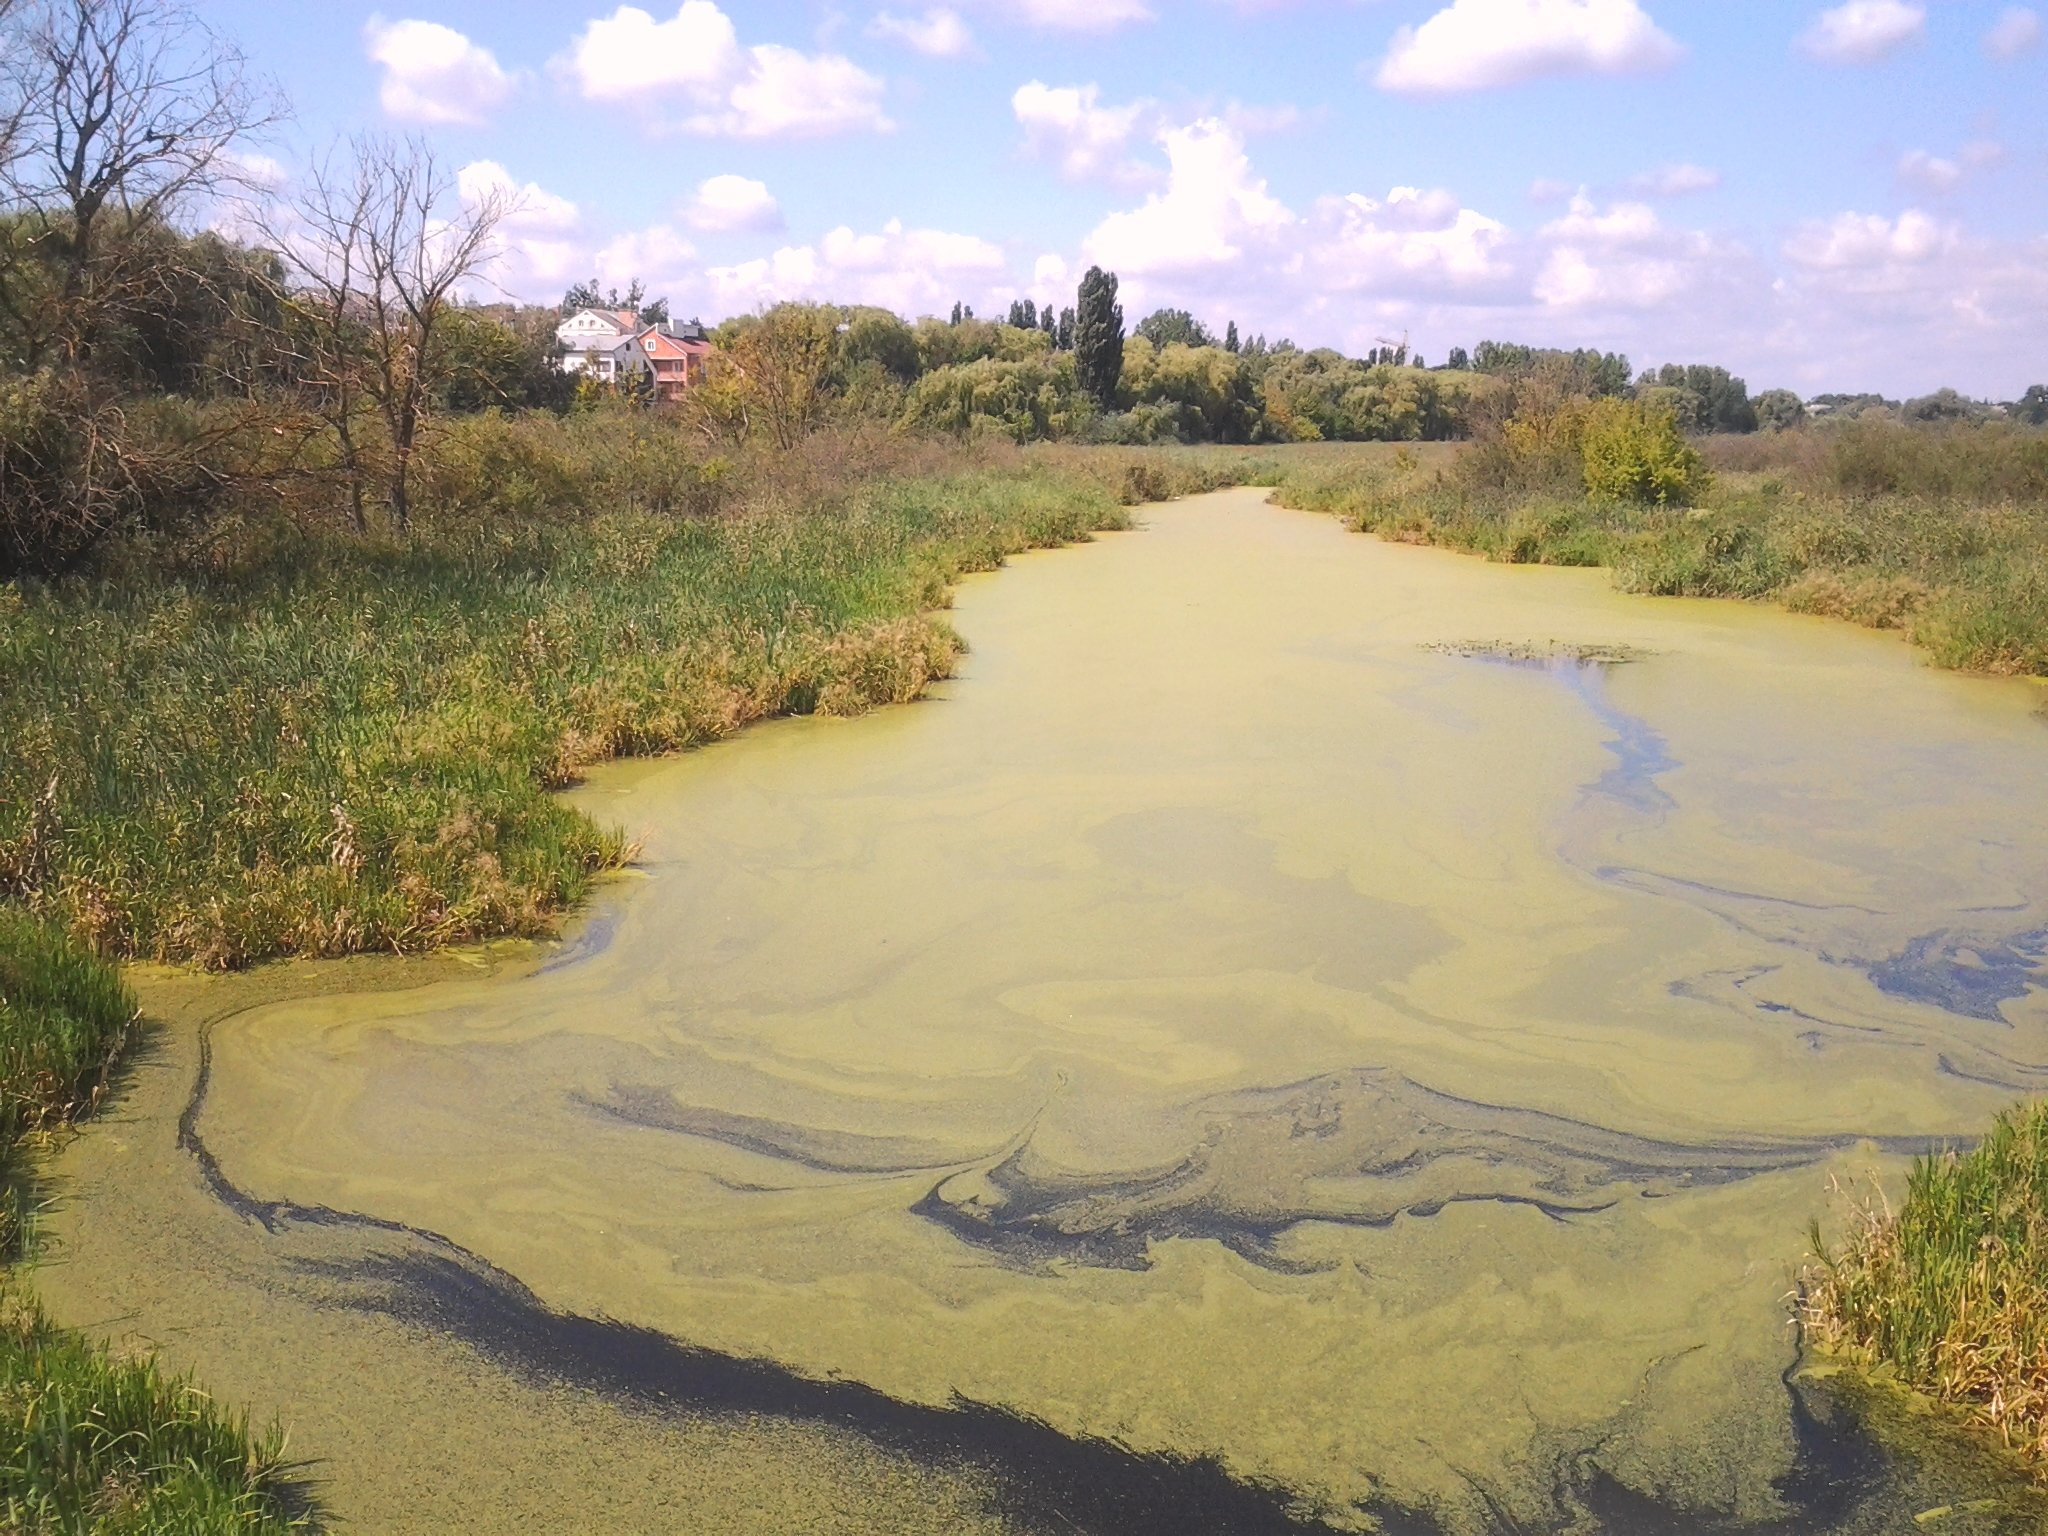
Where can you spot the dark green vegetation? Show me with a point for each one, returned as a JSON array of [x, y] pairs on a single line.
[[90, 1443], [1950, 1292]]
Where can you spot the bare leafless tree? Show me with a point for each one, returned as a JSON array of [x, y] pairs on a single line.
[[382, 245], [115, 109]]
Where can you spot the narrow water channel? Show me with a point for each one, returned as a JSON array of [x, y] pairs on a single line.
[[1278, 1043]]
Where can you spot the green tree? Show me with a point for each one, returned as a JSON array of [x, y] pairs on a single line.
[[1230, 337], [1779, 410], [1166, 327], [1099, 336], [1724, 404], [2032, 407], [1063, 338], [1459, 359]]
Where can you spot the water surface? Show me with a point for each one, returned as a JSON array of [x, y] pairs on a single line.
[[1240, 1023]]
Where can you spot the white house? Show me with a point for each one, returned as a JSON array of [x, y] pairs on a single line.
[[606, 341]]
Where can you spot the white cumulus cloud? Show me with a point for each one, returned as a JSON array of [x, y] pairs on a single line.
[[1478, 44], [731, 205], [691, 72], [540, 245], [939, 33], [2017, 31], [1675, 181], [1863, 31], [433, 74], [910, 271], [1212, 206], [1067, 125], [1866, 240]]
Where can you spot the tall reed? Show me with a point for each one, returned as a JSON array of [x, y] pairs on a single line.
[[1951, 1290]]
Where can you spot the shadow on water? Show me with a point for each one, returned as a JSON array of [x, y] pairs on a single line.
[[1040, 1478]]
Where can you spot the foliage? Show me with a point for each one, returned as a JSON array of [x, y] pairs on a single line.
[[1165, 328], [1595, 374], [1025, 401], [1635, 452], [1099, 336], [1702, 398], [116, 1447], [1951, 1291], [1779, 410]]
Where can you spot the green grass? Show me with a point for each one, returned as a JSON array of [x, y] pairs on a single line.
[[1950, 1292], [64, 1017], [89, 1443], [1941, 535], [296, 741]]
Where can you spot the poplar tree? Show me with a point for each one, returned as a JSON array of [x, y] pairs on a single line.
[[1063, 337], [1099, 337], [1230, 337]]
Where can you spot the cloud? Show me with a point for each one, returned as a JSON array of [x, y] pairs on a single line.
[[1932, 174], [1065, 125], [1213, 204], [939, 33], [731, 205], [1475, 45], [910, 271], [2017, 31], [658, 257], [1072, 15], [1869, 240], [1674, 181], [433, 74], [539, 240], [694, 61], [1863, 31]]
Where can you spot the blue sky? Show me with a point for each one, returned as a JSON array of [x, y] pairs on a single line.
[[1823, 197]]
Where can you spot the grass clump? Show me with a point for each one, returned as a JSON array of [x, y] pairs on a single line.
[[91, 1443], [64, 1016], [1950, 1292]]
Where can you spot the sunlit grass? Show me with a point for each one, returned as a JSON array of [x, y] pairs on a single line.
[[1950, 1291], [314, 744], [90, 1443]]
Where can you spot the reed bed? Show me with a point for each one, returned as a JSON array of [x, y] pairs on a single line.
[[1950, 1291], [93, 1443], [293, 740]]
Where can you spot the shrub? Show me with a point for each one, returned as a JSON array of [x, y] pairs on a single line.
[[1632, 452]]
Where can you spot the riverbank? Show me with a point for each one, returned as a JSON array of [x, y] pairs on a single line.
[[1941, 534], [283, 738], [1949, 1293]]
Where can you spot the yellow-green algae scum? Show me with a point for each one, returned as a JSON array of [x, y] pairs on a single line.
[[1226, 1020]]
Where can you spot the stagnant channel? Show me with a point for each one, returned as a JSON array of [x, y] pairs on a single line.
[[1304, 1033]]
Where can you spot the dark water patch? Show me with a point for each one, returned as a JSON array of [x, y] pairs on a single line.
[[1357, 1148], [1966, 974], [592, 939], [1641, 753], [822, 1151], [1041, 1480]]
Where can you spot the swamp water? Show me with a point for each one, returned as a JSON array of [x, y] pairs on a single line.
[[1277, 1043]]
